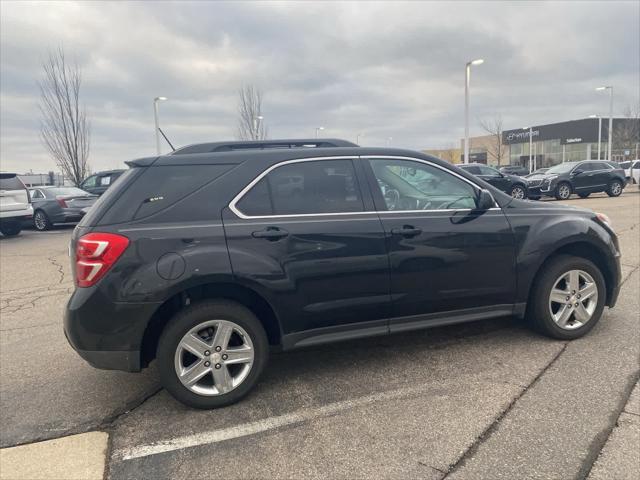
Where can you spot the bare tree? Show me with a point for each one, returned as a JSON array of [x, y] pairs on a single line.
[[250, 124], [496, 150], [64, 129]]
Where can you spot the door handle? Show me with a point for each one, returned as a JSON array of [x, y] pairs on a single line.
[[406, 231], [271, 233]]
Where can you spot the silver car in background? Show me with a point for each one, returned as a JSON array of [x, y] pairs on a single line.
[[53, 205]]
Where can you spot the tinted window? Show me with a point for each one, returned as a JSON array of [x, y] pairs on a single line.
[[488, 171], [155, 189], [472, 169], [602, 166], [409, 185], [10, 182], [327, 186]]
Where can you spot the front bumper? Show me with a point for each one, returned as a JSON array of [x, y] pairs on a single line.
[[106, 334]]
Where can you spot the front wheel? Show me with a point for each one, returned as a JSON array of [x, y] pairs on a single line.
[[212, 353], [615, 189], [519, 192], [563, 191], [567, 299]]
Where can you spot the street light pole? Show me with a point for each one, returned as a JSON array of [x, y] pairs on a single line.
[[610, 88], [467, 72], [389, 140], [256, 125], [318, 129], [155, 115], [599, 131], [530, 147]]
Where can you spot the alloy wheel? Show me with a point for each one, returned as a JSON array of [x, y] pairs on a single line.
[[616, 188], [517, 192], [573, 299], [40, 220], [564, 191], [214, 357]]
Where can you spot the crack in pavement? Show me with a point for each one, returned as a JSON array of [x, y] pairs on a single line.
[[58, 266], [473, 448]]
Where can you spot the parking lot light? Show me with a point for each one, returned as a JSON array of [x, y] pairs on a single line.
[[477, 61], [610, 88], [318, 129], [599, 131]]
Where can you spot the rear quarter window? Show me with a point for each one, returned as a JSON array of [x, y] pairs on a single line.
[[158, 188]]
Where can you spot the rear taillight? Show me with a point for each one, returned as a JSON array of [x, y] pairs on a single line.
[[62, 202], [95, 254]]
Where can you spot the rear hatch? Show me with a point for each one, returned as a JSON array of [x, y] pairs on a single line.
[[13, 194]]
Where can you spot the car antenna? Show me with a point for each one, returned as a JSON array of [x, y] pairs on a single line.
[[165, 137]]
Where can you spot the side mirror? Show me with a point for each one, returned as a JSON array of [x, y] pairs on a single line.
[[485, 200]]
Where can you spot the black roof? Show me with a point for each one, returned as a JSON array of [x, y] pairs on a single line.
[[262, 145]]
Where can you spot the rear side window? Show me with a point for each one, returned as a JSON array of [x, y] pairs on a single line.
[[156, 189], [302, 188], [105, 181], [10, 182]]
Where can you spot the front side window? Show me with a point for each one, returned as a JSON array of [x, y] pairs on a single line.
[[302, 188], [410, 185]]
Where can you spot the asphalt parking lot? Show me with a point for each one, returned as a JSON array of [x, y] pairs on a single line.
[[483, 400]]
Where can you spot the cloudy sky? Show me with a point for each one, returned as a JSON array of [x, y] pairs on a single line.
[[384, 69]]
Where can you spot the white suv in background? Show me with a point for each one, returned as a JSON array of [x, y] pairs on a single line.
[[15, 205]]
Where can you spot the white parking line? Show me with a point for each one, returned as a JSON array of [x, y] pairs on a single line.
[[243, 430]]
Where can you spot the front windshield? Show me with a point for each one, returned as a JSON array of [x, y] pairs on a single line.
[[562, 168]]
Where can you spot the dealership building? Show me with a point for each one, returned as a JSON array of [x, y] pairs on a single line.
[[552, 144]]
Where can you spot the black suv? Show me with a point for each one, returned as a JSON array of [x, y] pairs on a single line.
[[511, 184], [515, 170], [203, 261], [582, 178]]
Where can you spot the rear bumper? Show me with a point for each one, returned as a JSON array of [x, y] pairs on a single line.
[[107, 334]]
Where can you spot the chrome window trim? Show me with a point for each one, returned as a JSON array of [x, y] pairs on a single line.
[[233, 204]]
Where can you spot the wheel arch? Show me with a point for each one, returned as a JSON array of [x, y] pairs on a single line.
[[244, 295], [583, 249]]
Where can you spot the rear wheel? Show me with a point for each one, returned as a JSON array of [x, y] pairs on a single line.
[[584, 195], [41, 221], [563, 191], [615, 188], [11, 229], [212, 353], [567, 299], [519, 192]]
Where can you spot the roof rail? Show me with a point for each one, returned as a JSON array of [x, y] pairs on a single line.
[[262, 145]]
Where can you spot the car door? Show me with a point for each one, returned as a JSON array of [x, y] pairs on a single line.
[[305, 235], [601, 175], [448, 260], [583, 177], [37, 198]]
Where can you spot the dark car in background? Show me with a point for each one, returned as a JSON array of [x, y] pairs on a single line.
[[511, 184], [582, 178], [98, 183], [200, 262], [53, 205], [515, 170]]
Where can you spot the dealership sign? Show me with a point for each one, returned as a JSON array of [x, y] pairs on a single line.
[[577, 131]]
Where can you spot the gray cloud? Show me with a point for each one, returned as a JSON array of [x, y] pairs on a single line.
[[382, 69]]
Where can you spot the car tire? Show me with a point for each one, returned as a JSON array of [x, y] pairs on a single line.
[[563, 191], [584, 195], [11, 229], [614, 189], [519, 192], [41, 221], [206, 320], [540, 308]]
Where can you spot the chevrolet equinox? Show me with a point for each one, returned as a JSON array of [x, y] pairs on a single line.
[[208, 258]]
